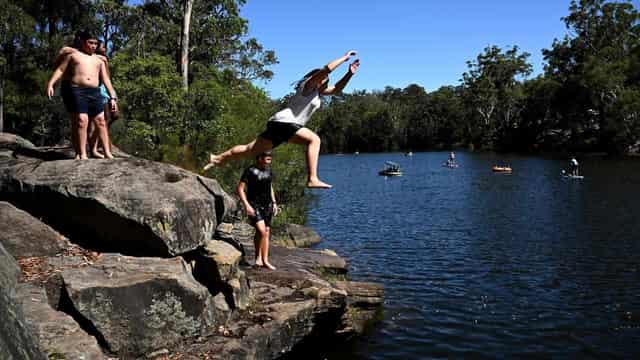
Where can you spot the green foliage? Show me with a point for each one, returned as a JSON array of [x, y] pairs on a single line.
[[586, 100]]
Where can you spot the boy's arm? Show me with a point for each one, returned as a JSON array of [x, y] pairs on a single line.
[[315, 80], [106, 80], [66, 50], [104, 76], [273, 200], [340, 85], [243, 198], [57, 74]]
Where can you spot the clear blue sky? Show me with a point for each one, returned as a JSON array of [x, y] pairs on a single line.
[[426, 42]]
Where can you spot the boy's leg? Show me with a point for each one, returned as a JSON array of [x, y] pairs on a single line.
[[265, 249], [74, 135], [255, 147], [261, 232], [81, 125], [102, 131], [93, 140], [307, 137]]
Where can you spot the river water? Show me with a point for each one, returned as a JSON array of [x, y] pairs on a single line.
[[483, 265]]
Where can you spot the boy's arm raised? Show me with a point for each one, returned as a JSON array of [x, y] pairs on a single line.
[[57, 74]]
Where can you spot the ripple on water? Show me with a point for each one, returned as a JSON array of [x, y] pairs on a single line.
[[478, 265]]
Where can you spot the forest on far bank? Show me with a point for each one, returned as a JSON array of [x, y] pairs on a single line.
[[587, 99]]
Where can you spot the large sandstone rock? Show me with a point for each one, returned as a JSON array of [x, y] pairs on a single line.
[[216, 266], [16, 341], [224, 258], [364, 305], [139, 305], [58, 334], [294, 235], [132, 206], [278, 320], [25, 236]]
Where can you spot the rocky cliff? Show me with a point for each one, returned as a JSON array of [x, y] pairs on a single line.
[[130, 258]]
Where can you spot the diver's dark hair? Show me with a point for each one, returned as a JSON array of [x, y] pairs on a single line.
[[300, 83], [85, 35], [264, 154]]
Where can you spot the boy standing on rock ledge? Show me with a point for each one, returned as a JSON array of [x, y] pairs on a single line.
[[259, 200], [81, 95]]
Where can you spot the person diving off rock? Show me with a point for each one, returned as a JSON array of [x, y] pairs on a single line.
[[288, 125]]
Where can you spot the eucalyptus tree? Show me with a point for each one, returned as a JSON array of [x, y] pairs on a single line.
[[597, 67], [492, 89]]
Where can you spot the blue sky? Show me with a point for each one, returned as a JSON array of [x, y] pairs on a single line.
[[400, 42]]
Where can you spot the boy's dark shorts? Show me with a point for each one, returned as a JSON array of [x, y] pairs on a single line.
[[262, 213], [279, 132], [81, 100]]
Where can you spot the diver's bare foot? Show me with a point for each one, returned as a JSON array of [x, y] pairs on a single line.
[[77, 157], [269, 266], [97, 154], [109, 155], [259, 263], [317, 184], [83, 157], [213, 161]]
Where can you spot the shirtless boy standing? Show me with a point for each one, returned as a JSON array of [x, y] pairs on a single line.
[[81, 94]]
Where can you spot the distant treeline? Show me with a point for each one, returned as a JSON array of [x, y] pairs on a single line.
[[588, 98], [170, 112]]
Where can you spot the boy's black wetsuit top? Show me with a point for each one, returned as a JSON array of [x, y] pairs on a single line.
[[259, 192]]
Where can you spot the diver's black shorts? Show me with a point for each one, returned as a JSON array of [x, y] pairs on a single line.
[[279, 132], [262, 213], [81, 100]]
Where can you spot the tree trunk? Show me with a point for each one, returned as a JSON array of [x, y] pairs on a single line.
[[184, 58], [1, 105]]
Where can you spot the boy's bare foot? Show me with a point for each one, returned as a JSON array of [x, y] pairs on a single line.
[[317, 184], [259, 263], [269, 266], [109, 156], [77, 157], [97, 154], [213, 161]]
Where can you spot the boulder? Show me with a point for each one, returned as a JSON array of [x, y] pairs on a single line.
[[10, 141], [294, 235], [16, 341], [277, 321], [58, 334], [27, 236], [223, 259], [364, 302], [131, 206], [9, 270], [140, 305], [216, 266]]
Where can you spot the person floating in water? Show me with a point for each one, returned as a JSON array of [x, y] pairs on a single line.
[[256, 193], [452, 159], [573, 164], [288, 125], [81, 94]]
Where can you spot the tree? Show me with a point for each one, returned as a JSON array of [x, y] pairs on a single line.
[[595, 66], [15, 32], [492, 89], [184, 44]]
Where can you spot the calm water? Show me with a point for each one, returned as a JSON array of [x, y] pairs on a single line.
[[484, 265]]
